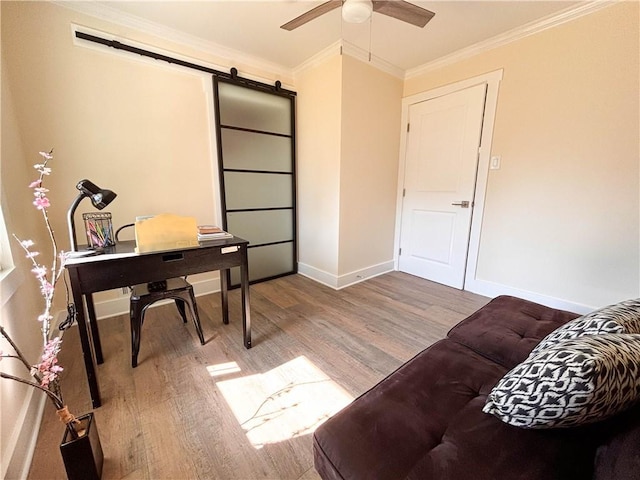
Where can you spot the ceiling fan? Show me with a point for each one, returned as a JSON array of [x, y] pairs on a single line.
[[358, 11]]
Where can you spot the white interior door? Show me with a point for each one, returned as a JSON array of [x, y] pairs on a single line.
[[440, 175]]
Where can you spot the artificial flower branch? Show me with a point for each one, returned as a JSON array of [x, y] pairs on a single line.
[[46, 372], [57, 401]]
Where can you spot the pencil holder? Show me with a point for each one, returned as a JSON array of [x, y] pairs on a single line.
[[99, 229]]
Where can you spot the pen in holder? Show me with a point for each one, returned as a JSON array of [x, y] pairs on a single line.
[[99, 230]]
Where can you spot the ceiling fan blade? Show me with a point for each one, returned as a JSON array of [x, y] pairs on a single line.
[[311, 14], [405, 11]]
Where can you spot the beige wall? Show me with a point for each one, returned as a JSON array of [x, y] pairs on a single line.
[[139, 127], [348, 141], [18, 312], [318, 135], [371, 107], [562, 214]]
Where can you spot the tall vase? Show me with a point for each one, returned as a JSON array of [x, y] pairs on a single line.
[[83, 456]]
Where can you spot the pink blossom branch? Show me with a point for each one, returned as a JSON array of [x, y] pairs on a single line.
[[19, 354], [46, 288], [57, 401], [45, 373], [56, 272]]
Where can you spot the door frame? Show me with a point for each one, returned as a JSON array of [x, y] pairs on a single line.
[[492, 80]]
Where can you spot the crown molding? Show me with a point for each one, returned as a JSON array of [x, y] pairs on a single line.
[[112, 15], [318, 58], [342, 47], [232, 56], [521, 32], [366, 57]]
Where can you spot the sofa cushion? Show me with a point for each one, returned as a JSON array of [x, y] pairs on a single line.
[[623, 317], [507, 328], [577, 381], [424, 421]]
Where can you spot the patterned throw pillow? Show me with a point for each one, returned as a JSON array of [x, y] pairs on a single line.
[[623, 317], [575, 382]]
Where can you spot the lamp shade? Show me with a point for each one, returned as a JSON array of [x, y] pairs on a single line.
[[356, 11], [100, 197]]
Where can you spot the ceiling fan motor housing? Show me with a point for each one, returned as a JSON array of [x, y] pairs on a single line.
[[357, 11]]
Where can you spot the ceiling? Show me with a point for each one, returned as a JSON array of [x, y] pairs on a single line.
[[251, 28]]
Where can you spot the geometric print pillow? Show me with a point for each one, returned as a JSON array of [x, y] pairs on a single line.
[[577, 381], [623, 317]]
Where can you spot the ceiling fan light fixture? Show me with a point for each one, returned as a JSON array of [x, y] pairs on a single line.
[[357, 11]]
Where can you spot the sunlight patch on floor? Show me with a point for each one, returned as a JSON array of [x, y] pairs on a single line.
[[286, 402]]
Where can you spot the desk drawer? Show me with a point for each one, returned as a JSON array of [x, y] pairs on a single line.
[[108, 274]]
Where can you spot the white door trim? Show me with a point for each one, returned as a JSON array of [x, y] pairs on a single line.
[[492, 80]]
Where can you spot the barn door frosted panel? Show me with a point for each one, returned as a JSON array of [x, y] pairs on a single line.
[[256, 147]]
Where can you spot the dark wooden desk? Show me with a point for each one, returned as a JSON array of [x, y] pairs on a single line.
[[121, 267]]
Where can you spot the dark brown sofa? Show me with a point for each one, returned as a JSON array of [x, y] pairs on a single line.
[[425, 420]]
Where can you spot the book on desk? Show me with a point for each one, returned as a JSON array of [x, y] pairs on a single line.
[[211, 232]]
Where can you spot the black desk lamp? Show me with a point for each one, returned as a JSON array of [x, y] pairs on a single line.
[[100, 198]]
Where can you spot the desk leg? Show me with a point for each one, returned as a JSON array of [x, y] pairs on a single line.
[[246, 306], [95, 334], [85, 341], [224, 296]]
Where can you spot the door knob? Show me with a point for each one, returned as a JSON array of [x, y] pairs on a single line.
[[463, 204]]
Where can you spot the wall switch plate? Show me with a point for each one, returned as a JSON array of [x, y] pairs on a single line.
[[495, 162]]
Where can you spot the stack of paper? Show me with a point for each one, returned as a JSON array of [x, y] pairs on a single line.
[[165, 232]]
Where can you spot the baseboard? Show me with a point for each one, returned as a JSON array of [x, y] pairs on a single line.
[[338, 282], [492, 290], [318, 275], [22, 444]]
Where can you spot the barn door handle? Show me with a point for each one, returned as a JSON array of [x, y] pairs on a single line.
[[463, 204]]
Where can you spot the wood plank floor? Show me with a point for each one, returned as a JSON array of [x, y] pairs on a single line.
[[219, 411]]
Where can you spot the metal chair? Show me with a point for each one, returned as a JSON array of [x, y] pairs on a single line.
[[144, 295]]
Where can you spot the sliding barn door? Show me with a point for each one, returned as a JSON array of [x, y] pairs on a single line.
[[256, 154]]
